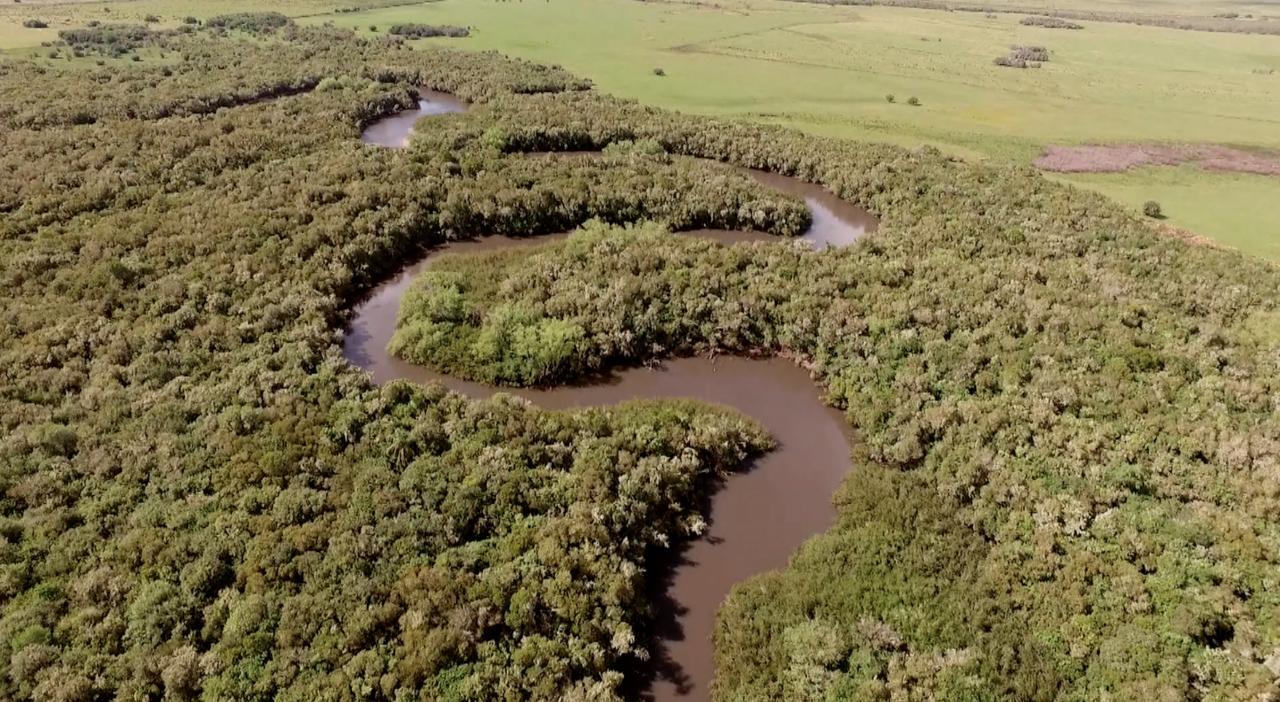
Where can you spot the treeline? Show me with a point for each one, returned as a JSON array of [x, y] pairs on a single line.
[[251, 22], [422, 31], [1200, 24], [1067, 479], [108, 39], [1049, 23], [518, 197], [250, 72]]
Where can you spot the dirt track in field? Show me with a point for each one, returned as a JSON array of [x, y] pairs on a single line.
[[1115, 158]]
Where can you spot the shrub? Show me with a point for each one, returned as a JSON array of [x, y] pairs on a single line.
[[1030, 53], [1050, 23], [889, 98], [190, 20], [1020, 56], [252, 22], [659, 72], [421, 31], [913, 101], [1151, 208], [111, 39], [373, 27], [35, 24], [151, 19]]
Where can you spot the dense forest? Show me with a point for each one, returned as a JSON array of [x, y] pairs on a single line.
[[1068, 466]]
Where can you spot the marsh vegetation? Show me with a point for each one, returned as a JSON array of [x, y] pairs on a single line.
[[1066, 481]]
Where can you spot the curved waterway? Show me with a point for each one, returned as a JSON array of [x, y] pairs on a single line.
[[394, 131], [757, 518], [833, 221]]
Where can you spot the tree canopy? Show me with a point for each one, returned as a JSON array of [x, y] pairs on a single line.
[[1069, 440]]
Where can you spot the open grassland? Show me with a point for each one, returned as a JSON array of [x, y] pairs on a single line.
[[1237, 206], [1187, 8]]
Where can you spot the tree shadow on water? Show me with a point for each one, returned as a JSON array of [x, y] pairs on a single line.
[[667, 613]]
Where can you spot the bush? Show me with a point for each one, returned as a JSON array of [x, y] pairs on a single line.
[[373, 27], [190, 20], [1030, 53], [252, 22], [151, 19], [1050, 23], [889, 98], [1020, 56], [111, 39], [913, 101], [659, 72], [35, 24], [1151, 208], [422, 31]]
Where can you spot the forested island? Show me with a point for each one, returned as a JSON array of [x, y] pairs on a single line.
[[1067, 466]]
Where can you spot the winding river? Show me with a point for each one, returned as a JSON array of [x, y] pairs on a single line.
[[760, 515], [394, 131]]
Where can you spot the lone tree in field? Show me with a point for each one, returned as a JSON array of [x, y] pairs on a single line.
[[1151, 208]]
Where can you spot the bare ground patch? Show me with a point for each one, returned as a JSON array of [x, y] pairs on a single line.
[[1187, 236], [1114, 158]]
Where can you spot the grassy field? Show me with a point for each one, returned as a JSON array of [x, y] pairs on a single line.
[[828, 70], [1238, 208]]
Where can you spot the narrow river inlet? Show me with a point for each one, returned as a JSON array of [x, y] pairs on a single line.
[[758, 517]]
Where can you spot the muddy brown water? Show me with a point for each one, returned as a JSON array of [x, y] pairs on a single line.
[[757, 518], [394, 131], [834, 222]]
